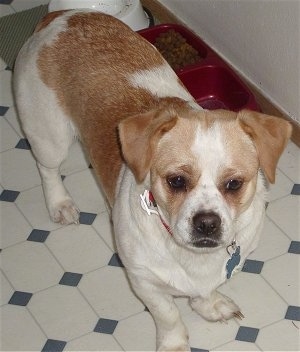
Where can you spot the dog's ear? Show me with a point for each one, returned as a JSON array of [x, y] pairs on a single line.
[[139, 136], [270, 135]]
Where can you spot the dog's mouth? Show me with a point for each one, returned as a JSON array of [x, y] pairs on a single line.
[[205, 243]]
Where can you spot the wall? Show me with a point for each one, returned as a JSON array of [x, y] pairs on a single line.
[[260, 38]]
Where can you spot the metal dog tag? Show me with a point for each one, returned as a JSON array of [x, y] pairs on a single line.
[[233, 261]]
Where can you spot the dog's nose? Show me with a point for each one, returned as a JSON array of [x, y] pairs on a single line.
[[207, 224]]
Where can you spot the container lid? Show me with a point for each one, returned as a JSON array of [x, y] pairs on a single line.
[[130, 12]]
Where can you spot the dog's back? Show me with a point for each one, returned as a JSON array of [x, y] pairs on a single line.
[[84, 69]]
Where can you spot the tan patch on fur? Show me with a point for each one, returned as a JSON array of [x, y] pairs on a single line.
[[140, 134], [174, 158], [87, 66], [243, 162], [270, 136]]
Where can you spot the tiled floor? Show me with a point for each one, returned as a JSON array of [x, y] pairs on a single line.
[[62, 288]]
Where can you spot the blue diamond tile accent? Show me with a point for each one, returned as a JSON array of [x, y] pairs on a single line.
[[20, 298], [87, 218], [70, 279], [296, 190], [6, 2], [247, 334], [294, 247], [54, 346], [23, 144], [253, 266], [106, 326], [8, 195], [3, 109], [38, 235], [293, 313], [116, 261]]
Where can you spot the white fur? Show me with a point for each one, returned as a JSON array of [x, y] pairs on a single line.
[[162, 82]]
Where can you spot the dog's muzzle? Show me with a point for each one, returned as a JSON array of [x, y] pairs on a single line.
[[206, 229]]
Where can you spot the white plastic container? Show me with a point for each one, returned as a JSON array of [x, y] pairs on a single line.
[[130, 12]]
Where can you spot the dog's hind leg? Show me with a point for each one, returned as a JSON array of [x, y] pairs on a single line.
[[50, 133], [60, 205], [50, 152]]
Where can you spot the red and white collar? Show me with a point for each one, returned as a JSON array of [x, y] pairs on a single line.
[[149, 204]]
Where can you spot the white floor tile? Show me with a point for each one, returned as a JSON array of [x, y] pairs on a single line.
[[283, 274], [104, 227], [12, 119], [63, 313], [237, 346], [15, 228], [94, 342], [208, 335], [289, 163], [281, 336], [136, 333], [285, 212], [273, 243], [20, 332], [6, 290], [257, 300], [281, 188], [85, 191], [32, 204], [76, 160], [9, 138], [18, 170], [30, 267], [6, 95], [79, 248], [108, 291]]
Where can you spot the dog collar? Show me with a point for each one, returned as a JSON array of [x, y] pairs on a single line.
[[149, 204]]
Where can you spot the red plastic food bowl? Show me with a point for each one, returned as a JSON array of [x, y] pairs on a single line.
[[216, 87], [211, 81]]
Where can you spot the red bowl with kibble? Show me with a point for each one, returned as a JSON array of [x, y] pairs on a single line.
[[207, 77]]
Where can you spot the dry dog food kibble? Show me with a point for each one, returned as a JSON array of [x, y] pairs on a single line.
[[174, 48]]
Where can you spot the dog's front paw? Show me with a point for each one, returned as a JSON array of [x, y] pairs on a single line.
[[217, 308], [65, 213]]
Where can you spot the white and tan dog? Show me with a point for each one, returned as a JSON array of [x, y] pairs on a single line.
[[85, 74]]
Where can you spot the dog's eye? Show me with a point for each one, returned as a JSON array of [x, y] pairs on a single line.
[[177, 183], [234, 185]]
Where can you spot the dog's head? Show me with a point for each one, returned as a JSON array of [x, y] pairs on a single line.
[[203, 165]]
